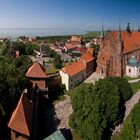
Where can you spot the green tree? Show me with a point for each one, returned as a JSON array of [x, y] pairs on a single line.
[[124, 86], [57, 62], [96, 49], [96, 109], [12, 82]]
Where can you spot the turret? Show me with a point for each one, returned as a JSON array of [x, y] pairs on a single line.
[[102, 31]]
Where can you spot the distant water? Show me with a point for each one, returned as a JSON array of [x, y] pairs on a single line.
[[39, 32]]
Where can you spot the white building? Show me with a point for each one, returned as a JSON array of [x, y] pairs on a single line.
[[73, 74], [133, 67]]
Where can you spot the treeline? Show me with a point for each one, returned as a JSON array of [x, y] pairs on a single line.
[[7, 47], [53, 39]]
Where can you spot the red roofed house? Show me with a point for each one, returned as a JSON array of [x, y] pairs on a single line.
[[75, 42], [77, 72], [36, 74], [89, 61], [115, 50], [21, 119]]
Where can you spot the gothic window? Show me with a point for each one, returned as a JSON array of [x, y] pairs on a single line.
[[102, 72]]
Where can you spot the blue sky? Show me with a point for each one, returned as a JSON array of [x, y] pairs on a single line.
[[85, 14]]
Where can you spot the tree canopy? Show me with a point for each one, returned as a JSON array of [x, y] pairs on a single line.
[[99, 108], [96, 109]]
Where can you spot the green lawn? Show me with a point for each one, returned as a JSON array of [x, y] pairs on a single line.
[[115, 136], [75, 136], [129, 78], [135, 86], [52, 70]]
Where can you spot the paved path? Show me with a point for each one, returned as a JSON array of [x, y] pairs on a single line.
[[134, 81], [93, 78], [129, 106], [63, 110]]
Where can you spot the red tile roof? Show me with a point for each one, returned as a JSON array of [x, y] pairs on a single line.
[[36, 71], [74, 68], [87, 57], [70, 46], [21, 118], [90, 50], [131, 40], [80, 65]]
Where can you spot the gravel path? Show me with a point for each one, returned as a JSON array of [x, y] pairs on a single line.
[[63, 110], [129, 106]]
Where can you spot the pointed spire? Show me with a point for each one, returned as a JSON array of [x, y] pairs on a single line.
[[119, 33], [102, 30], [138, 28]]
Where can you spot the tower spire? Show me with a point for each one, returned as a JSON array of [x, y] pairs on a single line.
[[119, 33], [102, 31]]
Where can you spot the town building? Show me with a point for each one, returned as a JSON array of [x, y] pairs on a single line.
[[73, 43], [36, 74], [115, 50], [72, 75], [43, 49], [21, 119], [133, 67], [96, 41]]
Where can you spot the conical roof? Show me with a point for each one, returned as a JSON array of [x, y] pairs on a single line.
[[36, 71], [21, 119]]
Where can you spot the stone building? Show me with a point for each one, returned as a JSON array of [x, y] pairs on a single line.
[[115, 50]]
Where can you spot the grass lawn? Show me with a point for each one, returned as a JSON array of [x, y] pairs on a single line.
[[52, 70], [135, 86], [115, 136], [75, 136], [129, 78]]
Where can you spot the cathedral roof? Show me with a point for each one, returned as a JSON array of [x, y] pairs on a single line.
[[36, 71], [131, 41]]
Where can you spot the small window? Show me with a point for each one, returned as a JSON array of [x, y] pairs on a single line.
[[129, 70], [17, 135]]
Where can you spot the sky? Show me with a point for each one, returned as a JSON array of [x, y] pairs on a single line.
[[75, 14]]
